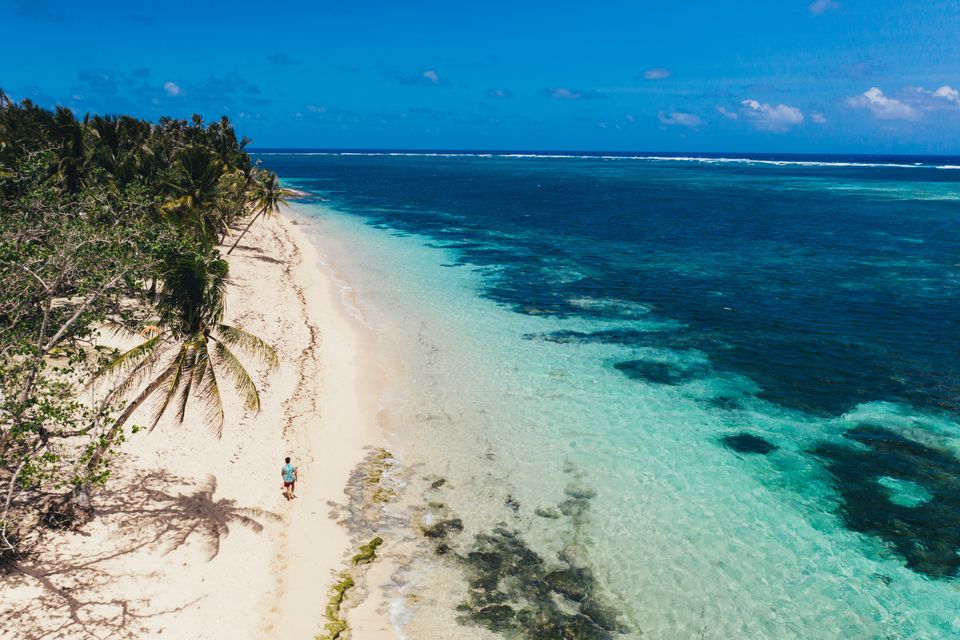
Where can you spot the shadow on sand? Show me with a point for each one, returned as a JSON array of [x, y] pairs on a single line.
[[150, 518]]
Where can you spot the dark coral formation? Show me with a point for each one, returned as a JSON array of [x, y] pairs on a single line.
[[513, 590], [442, 528], [748, 443], [926, 535], [658, 372], [606, 336]]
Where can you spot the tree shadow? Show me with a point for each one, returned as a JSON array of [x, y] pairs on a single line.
[[145, 517], [178, 518]]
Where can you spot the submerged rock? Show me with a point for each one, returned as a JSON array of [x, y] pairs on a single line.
[[658, 372], [575, 507], [726, 403], [748, 443], [608, 336], [924, 532], [580, 492], [441, 528], [574, 583], [497, 617], [435, 481], [514, 591], [549, 512]]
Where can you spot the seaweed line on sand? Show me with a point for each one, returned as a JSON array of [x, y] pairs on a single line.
[[364, 516]]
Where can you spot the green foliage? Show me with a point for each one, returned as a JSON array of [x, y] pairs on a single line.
[[111, 222], [368, 551], [336, 625]]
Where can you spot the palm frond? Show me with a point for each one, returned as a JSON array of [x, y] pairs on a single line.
[[241, 379], [131, 358], [189, 367], [242, 339], [134, 366], [205, 375], [175, 371]]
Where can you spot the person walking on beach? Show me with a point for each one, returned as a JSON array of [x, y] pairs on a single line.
[[289, 474]]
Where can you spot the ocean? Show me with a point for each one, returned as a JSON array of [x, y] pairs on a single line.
[[689, 396]]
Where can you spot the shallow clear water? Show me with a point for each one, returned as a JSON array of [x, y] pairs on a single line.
[[731, 389]]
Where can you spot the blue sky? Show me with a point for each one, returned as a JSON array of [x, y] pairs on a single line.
[[867, 76]]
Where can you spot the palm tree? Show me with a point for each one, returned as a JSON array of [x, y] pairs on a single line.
[[71, 151], [233, 191], [195, 192], [191, 349], [266, 197]]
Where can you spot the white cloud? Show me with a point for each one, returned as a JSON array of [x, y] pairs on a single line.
[[772, 118], [172, 88], [679, 118], [818, 118], [431, 75], [948, 93], [818, 7], [563, 93], [657, 74], [726, 113], [883, 107]]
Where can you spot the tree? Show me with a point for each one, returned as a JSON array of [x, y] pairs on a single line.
[[195, 192], [186, 357], [108, 220], [266, 198], [62, 274]]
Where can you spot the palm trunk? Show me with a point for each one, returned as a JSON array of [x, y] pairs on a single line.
[[249, 224]]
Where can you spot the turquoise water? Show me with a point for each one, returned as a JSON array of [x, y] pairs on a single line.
[[725, 394]]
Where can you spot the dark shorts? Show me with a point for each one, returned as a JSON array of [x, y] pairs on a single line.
[[287, 484]]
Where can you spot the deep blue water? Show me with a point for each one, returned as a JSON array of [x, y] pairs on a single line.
[[827, 285]]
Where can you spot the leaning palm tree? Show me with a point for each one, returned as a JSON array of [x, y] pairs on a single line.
[[188, 351], [266, 197], [191, 313]]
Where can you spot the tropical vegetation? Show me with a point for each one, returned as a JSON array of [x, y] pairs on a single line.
[[111, 223]]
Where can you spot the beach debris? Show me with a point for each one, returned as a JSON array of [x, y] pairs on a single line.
[[748, 443]]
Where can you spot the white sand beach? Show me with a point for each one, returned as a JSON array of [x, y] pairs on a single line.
[[193, 537]]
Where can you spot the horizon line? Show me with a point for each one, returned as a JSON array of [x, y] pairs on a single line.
[[571, 152]]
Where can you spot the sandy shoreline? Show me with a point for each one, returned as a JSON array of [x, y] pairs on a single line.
[[194, 538]]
